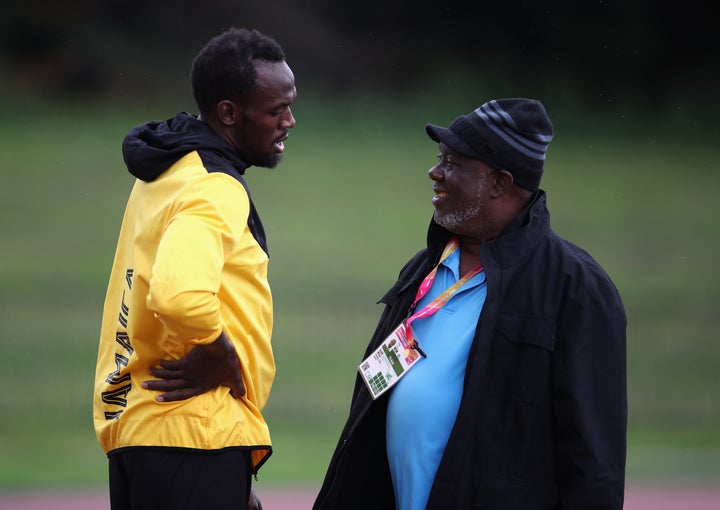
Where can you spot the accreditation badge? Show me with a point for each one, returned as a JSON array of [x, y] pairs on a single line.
[[389, 362]]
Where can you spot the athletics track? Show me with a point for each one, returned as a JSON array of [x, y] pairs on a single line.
[[641, 497]]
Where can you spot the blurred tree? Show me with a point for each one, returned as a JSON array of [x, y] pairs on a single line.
[[598, 52]]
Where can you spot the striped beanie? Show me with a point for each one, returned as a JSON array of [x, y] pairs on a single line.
[[507, 134]]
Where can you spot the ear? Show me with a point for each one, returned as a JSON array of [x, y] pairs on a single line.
[[501, 182], [228, 112]]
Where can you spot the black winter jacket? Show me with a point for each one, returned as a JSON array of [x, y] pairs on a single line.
[[542, 421]]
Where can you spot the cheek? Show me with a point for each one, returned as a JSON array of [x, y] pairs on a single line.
[[260, 136], [268, 129], [479, 192], [472, 192], [260, 127]]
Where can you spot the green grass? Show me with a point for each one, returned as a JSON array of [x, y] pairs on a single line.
[[343, 212]]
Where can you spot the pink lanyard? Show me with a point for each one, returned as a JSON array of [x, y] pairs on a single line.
[[437, 303]]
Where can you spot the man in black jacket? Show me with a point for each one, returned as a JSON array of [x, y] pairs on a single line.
[[519, 398]]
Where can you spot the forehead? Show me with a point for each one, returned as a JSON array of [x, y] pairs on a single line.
[[449, 151], [275, 77], [466, 160]]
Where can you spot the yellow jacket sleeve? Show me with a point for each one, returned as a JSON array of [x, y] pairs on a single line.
[[186, 275]]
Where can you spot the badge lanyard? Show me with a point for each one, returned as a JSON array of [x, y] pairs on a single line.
[[440, 301], [399, 352]]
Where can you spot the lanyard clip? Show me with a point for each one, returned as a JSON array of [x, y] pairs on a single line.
[[415, 345]]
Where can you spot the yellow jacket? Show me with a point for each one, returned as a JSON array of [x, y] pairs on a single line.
[[187, 266]]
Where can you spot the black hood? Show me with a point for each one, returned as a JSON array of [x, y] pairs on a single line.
[[151, 148]]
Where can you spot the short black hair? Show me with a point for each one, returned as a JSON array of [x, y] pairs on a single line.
[[225, 67]]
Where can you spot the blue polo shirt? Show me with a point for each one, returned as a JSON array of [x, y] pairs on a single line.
[[424, 403]]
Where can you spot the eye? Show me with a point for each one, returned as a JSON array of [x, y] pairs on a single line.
[[279, 111], [446, 160]]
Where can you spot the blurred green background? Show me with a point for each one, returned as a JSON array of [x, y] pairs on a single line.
[[632, 176]]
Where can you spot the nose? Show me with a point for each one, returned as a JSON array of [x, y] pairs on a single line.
[[288, 121], [435, 173]]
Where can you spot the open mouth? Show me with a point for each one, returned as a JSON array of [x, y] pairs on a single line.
[[279, 144], [439, 196]]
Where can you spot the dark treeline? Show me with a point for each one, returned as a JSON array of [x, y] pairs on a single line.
[[592, 51]]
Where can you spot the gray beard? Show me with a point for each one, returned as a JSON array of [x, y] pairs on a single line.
[[455, 221]]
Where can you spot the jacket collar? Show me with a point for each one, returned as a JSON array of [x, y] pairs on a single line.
[[151, 148]]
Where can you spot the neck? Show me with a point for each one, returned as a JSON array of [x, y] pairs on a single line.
[[469, 254]]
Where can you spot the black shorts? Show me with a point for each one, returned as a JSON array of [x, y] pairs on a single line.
[[145, 478]]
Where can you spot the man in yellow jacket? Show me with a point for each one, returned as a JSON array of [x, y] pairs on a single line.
[[188, 300]]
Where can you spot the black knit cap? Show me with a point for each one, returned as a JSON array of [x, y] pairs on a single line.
[[511, 134]]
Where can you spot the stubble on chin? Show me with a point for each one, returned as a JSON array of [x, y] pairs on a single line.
[[458, 220], [270, 161], [455, 221]]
